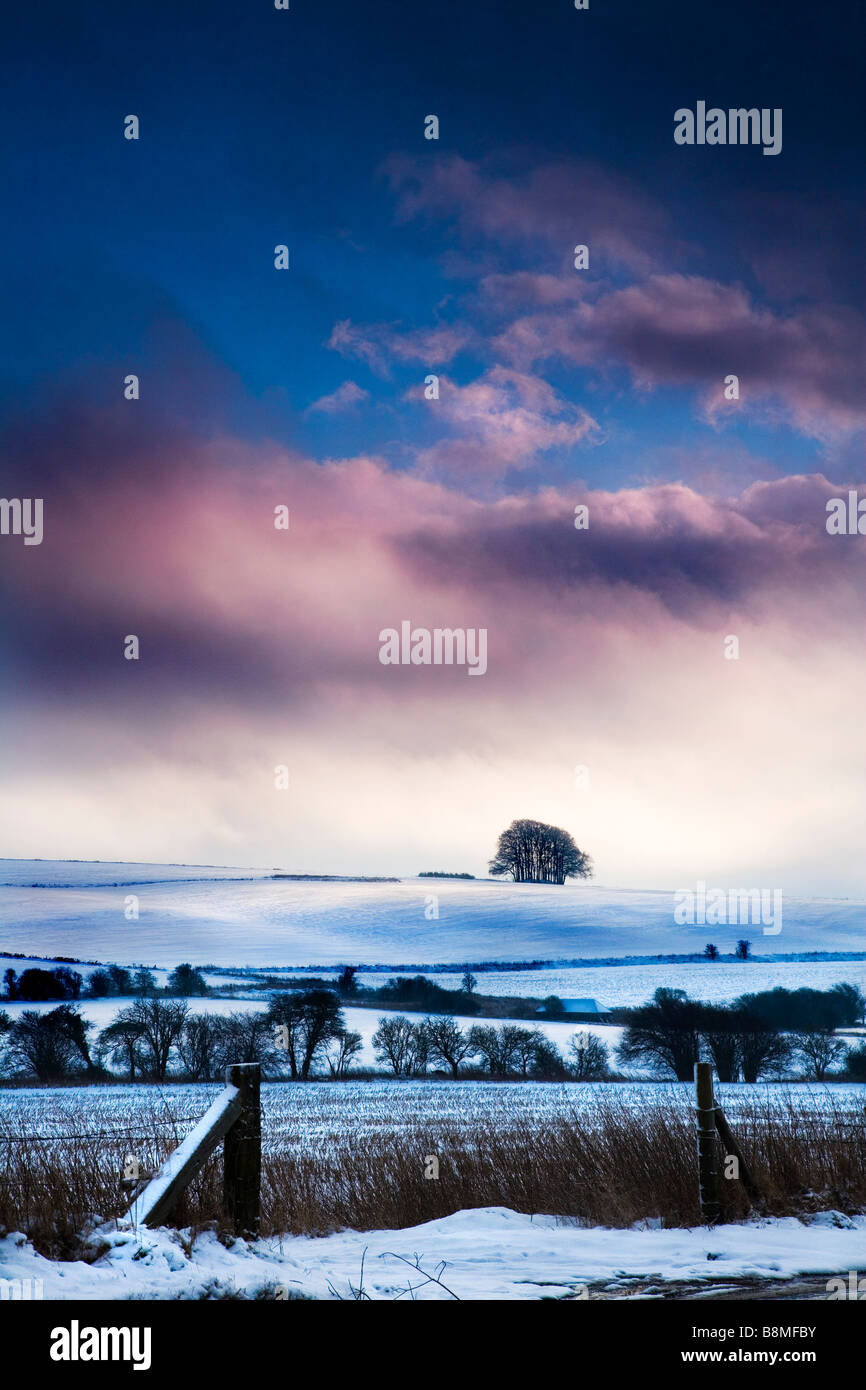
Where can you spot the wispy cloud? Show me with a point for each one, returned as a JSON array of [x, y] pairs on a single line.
[[346, 397], [382, 346]]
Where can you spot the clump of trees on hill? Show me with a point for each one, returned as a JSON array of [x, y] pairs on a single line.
[[532, 852]]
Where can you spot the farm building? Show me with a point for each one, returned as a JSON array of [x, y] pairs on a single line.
[[581, 1010]]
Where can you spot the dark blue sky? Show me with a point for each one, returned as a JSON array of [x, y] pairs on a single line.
[[261, 126]]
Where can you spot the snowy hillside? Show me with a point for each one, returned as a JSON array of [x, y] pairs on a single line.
[[223, 918]]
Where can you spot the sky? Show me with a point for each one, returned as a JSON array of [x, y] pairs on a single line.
[[610, 704]]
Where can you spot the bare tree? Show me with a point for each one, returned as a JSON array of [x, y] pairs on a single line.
[[285, 1016], [718, 1026], [42, 1045], [448, 1042], [304, 1024], [244, 1036], [506, 1050], [762, 1046], [120, 1042], [421, 1047], [76, 1028], [486, 1042], [818, 1051], [394, 1043], [547, 1060], [528, 1049], [161, 1025], [199, 1046], [342, 1050], [664, 1035], [588, 1057]]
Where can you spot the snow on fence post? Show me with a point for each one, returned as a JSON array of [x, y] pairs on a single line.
[[152, 1206], [242, 1154], [235, 1117], [705, 1112]]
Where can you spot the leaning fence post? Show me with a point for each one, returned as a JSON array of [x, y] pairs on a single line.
[[706, 1123], [242, 1156], [731, 1146]]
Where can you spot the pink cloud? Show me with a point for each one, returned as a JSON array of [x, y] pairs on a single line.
[[381, 346], [682, 330], [260, 647], [559, 204], [804, 367], [502, 420], [346, 396]]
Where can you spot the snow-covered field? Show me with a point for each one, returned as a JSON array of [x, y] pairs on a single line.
[[488, 1253], [485, 1253], [624, 986], [309, 1117], [237, 917]]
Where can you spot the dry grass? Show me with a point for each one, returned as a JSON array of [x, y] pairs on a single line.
[[614, 1168]]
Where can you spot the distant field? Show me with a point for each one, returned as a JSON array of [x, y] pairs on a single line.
[[244, 917], [624, 986], [615, 987]]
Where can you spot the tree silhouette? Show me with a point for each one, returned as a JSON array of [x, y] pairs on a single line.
[[533, 852]]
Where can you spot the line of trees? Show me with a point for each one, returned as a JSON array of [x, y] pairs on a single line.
[[36, 985], [439, 873], [410, 1048], [154, 1037], [300, 1034], [304, 1032], [763, 1034]]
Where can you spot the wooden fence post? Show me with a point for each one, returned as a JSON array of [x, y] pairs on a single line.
[[153, 1204], [242, 1152], [706, 1124]]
